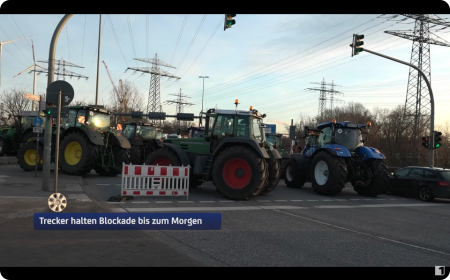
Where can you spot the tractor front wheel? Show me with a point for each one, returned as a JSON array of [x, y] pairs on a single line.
[[239, 173], [77, 154], [28, 157], [120, 156], [293, 175], [328, 174], [379, 179]]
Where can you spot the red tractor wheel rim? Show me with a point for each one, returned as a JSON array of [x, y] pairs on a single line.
[[161, 161], [237, 173]]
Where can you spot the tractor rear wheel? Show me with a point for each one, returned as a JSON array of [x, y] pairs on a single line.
[[379, 180], [28, 157], [77, 154], [328, 174], [136, 156], [239, 173], [274, 175]]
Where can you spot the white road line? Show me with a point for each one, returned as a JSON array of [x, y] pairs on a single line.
[[368, 199], [366, 234], [381, 199], [163, 201], [215, 209], [103, 184], [377, 205], [139, 202]]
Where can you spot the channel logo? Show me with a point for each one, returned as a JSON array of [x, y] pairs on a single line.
[[441, 272]]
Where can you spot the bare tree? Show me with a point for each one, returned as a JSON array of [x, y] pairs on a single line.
[[14, 102]]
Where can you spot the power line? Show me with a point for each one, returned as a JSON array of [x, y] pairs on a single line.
[[84, 36], [179, 36], [117, 40], [68, 43]]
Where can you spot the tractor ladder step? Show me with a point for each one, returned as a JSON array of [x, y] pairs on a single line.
[[205, 174]]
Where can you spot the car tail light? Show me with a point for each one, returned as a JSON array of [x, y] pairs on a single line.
[[444, 184]]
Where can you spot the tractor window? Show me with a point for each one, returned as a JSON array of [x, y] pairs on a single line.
[[147, 132], [256, 130], [243, 126], [224, 125], [325, 136], [70, 121], [81, 117], [211, 124], [129, 131], [349, 138], [27, 122]]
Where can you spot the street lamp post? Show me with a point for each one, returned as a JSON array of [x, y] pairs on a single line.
[[203, 94]]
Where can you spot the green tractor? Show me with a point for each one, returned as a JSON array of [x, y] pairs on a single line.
[[232, 154], [144, 139], [276, 140], [11, 138], [86, 143]]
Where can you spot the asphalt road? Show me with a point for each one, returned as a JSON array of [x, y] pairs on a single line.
[[297, 227]]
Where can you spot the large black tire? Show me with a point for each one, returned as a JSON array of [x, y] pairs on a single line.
[[274, 176], [69, 155], [136, 156], [293, 175], [379, 180], [331, 173], [239, 173], [121, 155], [27, 156], [284, 161]]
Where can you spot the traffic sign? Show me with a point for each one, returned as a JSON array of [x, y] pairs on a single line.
[[37, 129], [38, 121], [32, 97], [53, 92]]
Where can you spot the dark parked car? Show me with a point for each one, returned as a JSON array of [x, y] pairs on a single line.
[[422, 182]]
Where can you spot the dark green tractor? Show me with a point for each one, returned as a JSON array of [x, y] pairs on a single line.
[[11, 138], [144, 139], [86, 143], [276, 140], [231, 154]]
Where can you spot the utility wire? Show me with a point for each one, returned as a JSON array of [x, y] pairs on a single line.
[[179, 36]]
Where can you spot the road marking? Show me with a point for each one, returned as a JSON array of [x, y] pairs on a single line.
[[377, 205], [103, 184], [3, 176], [24, 197], [139, 202], [380, 199], [163, 201], [206, 201], [366, 234], [185, 209], [312, 200], [368, 199]]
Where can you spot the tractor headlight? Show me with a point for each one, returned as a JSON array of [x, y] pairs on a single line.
[[97, 123]]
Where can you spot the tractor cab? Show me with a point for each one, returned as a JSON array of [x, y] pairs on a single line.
[[93, 117], [138, 129], [276, 140], [196, 132], [311, 138], [346, 134]]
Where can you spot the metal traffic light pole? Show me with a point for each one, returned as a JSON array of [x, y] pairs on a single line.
[[431, 159], [48, 119]]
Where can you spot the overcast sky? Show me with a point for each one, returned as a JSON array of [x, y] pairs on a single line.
[[265, 61]]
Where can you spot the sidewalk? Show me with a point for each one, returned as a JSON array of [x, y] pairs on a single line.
[[22, 246]]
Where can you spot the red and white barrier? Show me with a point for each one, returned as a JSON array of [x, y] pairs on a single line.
[[155, 180]]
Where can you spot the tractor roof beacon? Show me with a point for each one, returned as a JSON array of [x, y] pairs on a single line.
[[338, 157], [86, 143], [231, 153]]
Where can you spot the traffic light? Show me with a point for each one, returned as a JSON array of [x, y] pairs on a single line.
[[425, 142], [136, 114], [157, 116], [185, 117], [356, 44], [229, 21], [53, 112], [437, 139]]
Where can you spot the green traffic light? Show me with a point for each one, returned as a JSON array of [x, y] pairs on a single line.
[[48, 112], [438, 145]]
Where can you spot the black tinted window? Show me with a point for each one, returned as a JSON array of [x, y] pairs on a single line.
[[430, 174], [416, 173], [446, 175], [402, 172]]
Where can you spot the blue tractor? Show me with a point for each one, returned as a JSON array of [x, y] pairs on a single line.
[[339, 156]]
